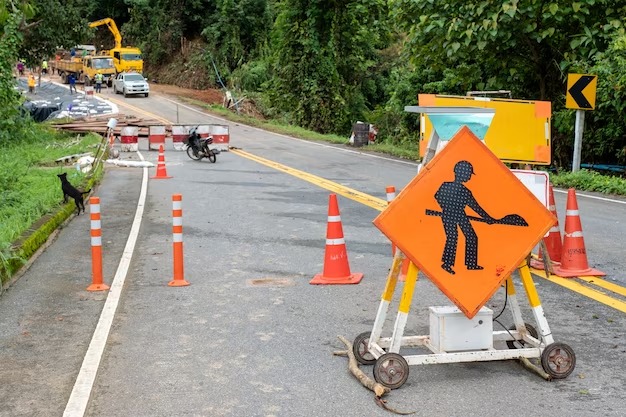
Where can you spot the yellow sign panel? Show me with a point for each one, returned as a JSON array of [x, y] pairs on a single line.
[[519, 132], [581, 91], [466, 221]]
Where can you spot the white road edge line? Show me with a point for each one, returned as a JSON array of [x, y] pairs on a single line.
[[79, 398], [578, 194]]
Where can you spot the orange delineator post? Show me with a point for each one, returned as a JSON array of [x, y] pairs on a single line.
[[336, 266], [96, 246], [161, 172], [177, 241], [574, 255]]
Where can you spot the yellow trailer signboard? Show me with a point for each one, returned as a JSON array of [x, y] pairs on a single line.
[[519, 132]]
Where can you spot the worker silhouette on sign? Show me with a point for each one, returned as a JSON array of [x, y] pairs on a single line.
[[453, 197]]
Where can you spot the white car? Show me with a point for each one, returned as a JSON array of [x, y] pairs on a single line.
[[129, 83]]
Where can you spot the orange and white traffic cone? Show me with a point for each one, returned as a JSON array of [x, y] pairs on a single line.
[[574, 256], [161, 172], [553, 241], [391, 194], [336, 266]]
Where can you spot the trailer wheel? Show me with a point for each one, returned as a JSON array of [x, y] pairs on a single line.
[[359, 348], [558, 360], [64, 78], [391, 370]]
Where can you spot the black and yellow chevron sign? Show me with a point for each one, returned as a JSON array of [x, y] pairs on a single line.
[[581, 91]]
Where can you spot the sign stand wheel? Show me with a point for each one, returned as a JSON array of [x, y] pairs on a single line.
[[558, 360], [391, 370], [360, 350], [513, 344]]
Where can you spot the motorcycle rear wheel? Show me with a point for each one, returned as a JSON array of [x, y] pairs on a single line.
[[211, 155], [193, 155]]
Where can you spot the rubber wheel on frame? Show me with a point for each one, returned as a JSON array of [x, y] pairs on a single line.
[[193, 155], [359, 348], [212, 156], [513, 344], [391, 370], [558, 360]]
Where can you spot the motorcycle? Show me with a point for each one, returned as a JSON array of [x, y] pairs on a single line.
[[198, 147]]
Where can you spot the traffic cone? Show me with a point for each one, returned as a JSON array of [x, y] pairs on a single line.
[[574, 256], [336, 267], [161, 172], [553, 242]]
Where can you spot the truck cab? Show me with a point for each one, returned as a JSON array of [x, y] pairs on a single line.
[[127, 59], [94, 64]]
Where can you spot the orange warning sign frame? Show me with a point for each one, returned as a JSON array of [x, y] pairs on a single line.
[[466, 221]]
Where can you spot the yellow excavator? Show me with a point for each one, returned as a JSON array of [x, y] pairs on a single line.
[[125, 58]]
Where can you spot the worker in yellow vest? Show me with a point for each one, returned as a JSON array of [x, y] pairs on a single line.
[[98, 79], [44, 67], [31, 83]]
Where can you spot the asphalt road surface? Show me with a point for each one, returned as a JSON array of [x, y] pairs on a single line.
[[249, 336]]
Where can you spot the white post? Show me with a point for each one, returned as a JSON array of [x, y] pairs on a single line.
[[578, 139]]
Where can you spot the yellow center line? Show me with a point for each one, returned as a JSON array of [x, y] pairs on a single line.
[[604, 284], [365, 199], [380, 205], [592, 293], [138, 110]]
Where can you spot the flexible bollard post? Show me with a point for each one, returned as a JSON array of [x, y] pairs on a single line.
[[96, 247], [406, 264], [177, 241]]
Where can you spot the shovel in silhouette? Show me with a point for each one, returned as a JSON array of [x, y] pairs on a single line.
[[509, 219]]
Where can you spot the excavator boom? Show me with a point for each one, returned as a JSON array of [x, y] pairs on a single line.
[[110, 23]]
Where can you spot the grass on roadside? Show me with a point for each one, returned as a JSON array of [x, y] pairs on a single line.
[[29, 187], [590, 181]]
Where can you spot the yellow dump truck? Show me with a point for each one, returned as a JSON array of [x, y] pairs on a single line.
[[84, 64], [125, 58]]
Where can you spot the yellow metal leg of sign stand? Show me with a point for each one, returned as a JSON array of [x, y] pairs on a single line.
[[535, 304], [383, 308], [404, 308]]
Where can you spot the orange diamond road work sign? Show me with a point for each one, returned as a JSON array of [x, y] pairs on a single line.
[[466, 221]]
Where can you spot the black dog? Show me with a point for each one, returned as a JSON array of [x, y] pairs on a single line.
[[70, 191]]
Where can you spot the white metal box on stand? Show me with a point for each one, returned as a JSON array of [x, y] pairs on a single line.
[[452, 331]]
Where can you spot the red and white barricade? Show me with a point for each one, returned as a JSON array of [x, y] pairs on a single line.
[[204, 130], [156, 137], [221, 137], [179, 134], [129, 138]]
